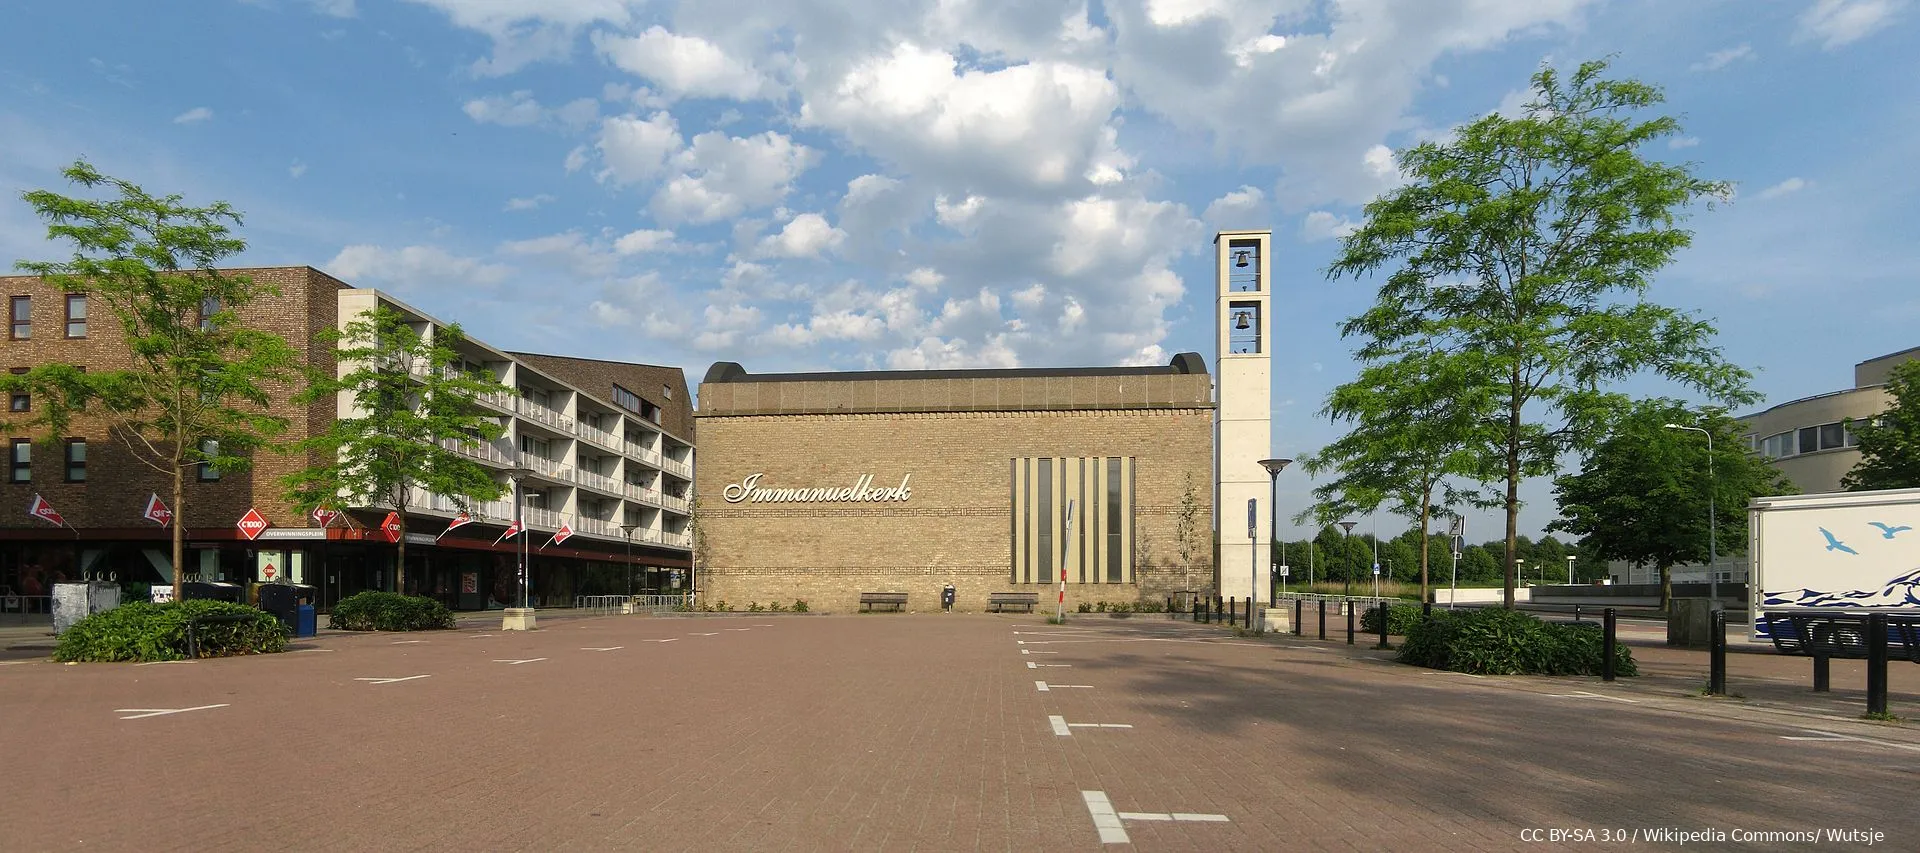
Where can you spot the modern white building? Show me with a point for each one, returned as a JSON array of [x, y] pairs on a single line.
[[1243, 425]]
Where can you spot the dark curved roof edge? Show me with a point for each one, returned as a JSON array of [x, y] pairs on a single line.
[[1186, 363]]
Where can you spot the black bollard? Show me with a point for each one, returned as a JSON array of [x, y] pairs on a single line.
[[1233, 611], [1323, 618], [1607, 645], [1576, 613], [1426, 609], [1383, 626], [1821, 673], [1298, 629], [1877, 663], [1349, 623], [1717, 654]]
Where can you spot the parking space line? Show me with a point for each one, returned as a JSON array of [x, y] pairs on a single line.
[[1834, 736], [607, 649], [1105, 819], [1030, 652], [1059, 724], [158, 662], [1032, 665], [518, 662], [391, 680], [143, 713]]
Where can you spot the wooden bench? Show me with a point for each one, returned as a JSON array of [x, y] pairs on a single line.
[[870, 600], [998, 602]]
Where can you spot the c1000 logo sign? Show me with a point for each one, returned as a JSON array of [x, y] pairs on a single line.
[[749, 490]]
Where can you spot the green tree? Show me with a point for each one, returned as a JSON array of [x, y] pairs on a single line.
[[1414, 412], [1478, 565], [1642, 494], [1188, 536], [1528, 245], [1890, 442], [409, 401], [202, 384]]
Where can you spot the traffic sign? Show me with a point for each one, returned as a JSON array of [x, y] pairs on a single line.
[[252, 524], [1285, 571], [1376, 569], [1253, 518]]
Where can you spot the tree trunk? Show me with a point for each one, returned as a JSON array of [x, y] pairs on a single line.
[[1513, 489], [1426, 505], [179, 527], [400, 566], [1666, 588]]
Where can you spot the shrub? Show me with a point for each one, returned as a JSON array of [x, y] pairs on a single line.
[[143, 631], [1150, 605], [1401, 619], [777, 607], [799, 606], [1498, 641], [754, 607], [1085, 607], [389, 611]]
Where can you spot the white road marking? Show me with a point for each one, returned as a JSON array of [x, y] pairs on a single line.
[[1065, 729], [1032, 665], [1040, 686], [315, 650], [159, 662], [391, 680], [699, 634], [1831, 736], [1105, 819], [143, 713], [1036, 642], [739, 629], [1444, 672], [607, 649], [1582, 694], [404, 642], [667, 640], [19, 662], [758, 625], [518, 662], [1030, 652], [1186, 816], [1100, 725], [481, 635], [1059, 724]]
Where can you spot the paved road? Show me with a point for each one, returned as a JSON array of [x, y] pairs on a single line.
[[917, 732]]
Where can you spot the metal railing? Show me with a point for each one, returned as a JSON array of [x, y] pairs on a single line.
[[599, 436], [21, 605], [547, 468], [608, 605], [680, 469], [485, 451], [601, 482], [1363, 603], [541, 414]]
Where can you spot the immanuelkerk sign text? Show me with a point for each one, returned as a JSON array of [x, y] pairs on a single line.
[[750, 490]]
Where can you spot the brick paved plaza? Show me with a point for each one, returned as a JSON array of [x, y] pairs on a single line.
[[913, 732]]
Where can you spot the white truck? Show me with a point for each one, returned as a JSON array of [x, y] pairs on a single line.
[[1834, 552]]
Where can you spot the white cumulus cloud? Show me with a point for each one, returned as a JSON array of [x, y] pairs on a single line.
[[1837, 23], [1322, 225], [1786, 187], [682, 65], [1722, 58], [197, 114], [412, 267], [805, 236]]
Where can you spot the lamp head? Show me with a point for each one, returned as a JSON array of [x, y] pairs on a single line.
[[1275, 466], [1347, 526]]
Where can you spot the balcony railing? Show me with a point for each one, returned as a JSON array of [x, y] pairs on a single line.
[[671, 502], [547, 468], [502, 399], [542, 520], [600, 482], [541, 414], [599, 436], [648, 456], [484, 451], [680, 469]]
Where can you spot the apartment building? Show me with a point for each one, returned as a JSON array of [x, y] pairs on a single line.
[[601, 452]]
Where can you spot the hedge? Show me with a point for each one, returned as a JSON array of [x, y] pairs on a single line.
[[1498, 641], [1401, 619], [389, 611], [144, 631]]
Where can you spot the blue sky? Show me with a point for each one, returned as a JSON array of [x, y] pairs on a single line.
[[849, 184]]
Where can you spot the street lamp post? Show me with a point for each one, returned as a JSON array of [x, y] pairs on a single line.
[[1346, 528], [1274, 467], [524, 619], [1570, 559], [1713, 521], [626, 532]]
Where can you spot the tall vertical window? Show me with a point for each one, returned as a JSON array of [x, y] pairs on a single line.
[[22, 460], [22, 401], [209, 449], [76, 315], [209, 306], [1098, 548], [20, 311], [76, 460]]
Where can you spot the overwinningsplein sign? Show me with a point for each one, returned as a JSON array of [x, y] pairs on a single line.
[[749, 490]]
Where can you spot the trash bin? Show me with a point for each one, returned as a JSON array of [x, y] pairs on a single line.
[[304, 621], [284, 601]]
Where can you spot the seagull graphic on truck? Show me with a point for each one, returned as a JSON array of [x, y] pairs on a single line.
[[1834, 551]]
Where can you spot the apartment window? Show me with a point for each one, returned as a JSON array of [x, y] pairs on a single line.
[[1832, 436], [76, 460], [209, 306], [1099, 548], [22, 401], [1777, 445], [536, 446], [22, 460], [666, 392], [208, 473], [22, 314], [626, 399], [76, 315]]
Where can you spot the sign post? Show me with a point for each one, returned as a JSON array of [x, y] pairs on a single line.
[[1253, 555], [1060, 616], [1458, 531]]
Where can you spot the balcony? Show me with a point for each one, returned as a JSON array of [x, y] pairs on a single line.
[[600, 437], [678, 469], [543, 520], [547, 468], [541, 414], [485, 451], [502, 399], [673, 503], [598, 482]]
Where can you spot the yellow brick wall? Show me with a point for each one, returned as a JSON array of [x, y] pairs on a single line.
[[956, 526]]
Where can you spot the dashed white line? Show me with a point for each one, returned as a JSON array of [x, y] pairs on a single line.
[[1833, 736], [1185, 816], [159, 662], [391, 680], [596, 649], [404, 642], [1030, 652], [518, 662], [143, 713], [1032, 665]]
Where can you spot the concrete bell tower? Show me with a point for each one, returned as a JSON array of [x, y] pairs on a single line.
[[1243, 413]]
